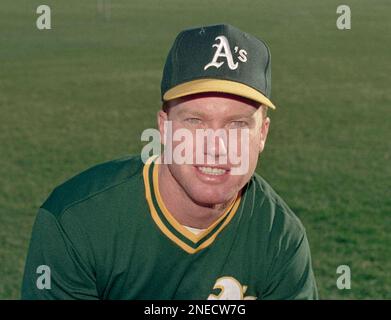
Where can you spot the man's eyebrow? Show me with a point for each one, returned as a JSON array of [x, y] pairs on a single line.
[[201, 114], [192, 113], [241, 116]]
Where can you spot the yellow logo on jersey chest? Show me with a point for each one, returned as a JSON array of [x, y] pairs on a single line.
[[231, 289]]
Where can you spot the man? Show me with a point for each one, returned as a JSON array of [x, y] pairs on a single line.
[[206, 229]]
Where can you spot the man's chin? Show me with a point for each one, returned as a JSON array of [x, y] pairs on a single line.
[[211, 199]]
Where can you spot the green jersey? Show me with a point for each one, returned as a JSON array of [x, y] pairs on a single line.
[[106, 234]]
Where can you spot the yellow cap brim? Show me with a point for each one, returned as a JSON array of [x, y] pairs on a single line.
[[216, 85]]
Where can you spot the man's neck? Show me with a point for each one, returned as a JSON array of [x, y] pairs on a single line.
[[182, 207]]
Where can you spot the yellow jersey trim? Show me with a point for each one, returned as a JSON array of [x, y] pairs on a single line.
[[174, 223], [177, 226]]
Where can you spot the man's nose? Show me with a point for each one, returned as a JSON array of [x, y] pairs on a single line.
[[216, 143]]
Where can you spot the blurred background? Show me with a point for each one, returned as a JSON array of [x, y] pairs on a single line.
[[83, 92]]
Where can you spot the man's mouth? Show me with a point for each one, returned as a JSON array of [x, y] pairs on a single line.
[[212, 170]]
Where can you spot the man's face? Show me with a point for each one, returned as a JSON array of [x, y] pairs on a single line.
[[212, 181]]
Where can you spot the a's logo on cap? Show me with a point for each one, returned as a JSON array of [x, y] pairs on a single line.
[[223, 51]]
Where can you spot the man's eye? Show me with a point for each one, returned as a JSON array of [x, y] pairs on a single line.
[[193, 121], [238, 124]]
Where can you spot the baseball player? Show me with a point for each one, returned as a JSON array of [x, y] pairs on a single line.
[[129, 229]]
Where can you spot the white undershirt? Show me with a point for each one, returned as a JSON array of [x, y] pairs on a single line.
[[194, 230]]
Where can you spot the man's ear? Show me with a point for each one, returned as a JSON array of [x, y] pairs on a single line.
[[264, 132], [162, 117]]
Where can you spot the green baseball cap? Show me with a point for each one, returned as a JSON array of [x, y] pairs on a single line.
[[218, 58]]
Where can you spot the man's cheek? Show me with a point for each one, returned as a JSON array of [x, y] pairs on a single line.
[[240, 152]]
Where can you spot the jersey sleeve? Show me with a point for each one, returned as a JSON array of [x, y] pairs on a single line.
[[54, 267], [290, 275]]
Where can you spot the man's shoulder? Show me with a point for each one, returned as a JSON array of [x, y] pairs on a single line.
[[92, 181], [274, 210]]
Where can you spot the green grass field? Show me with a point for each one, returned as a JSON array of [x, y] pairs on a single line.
[[83, 92]]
